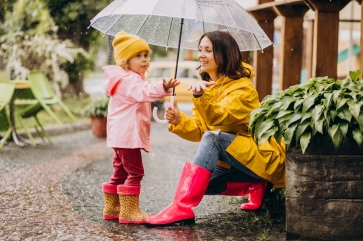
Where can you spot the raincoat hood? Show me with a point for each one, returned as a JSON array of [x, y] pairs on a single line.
[[114, 74], [250, 68]]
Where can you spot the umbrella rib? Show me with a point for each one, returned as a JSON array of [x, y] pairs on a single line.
[[112, 24], [137, 32], [171, 23], [230, 14], [258, 42]]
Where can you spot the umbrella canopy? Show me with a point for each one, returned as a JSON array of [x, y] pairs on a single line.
[[159, 22]]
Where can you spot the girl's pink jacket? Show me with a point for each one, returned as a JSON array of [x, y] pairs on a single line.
[[129, 109]]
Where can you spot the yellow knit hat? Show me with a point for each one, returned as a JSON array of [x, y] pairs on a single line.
[[126, 46]]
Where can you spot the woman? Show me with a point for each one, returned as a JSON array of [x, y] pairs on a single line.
[[228, 162]]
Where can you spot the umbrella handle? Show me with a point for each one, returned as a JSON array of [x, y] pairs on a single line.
[[155, 111]]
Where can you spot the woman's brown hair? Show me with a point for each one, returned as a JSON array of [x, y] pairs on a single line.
[[226, 55]]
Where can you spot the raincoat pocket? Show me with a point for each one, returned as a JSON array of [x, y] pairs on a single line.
[[144, 132]]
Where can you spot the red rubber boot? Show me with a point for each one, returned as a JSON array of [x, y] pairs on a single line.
[[256, 191], [193, 183]]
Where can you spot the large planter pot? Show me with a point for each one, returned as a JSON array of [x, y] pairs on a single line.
[[99, 126], [324, 192]]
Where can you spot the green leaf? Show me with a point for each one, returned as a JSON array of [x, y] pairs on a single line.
[[264, 127], [278, 135], [284, 113], [354, 75], [305, 140], [289, 134], [358, 136], [335, 135], [306, 115], [301, 129], [345, 114], [333, 114], [267, 135], [320, 125], [294, 118], [360, 121], [341, 102], [317, 112], [308, 103], [355, 109], [344, 128], [298, 104]]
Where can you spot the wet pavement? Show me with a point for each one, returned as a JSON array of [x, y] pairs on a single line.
[[54, 193]]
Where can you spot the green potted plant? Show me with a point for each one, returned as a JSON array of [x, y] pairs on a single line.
[[97, 111], [321, 123]]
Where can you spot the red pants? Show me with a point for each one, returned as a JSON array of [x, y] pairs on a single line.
[[127, 167]]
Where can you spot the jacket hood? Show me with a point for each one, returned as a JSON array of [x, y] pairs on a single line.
[[250, 68], [114, 75]]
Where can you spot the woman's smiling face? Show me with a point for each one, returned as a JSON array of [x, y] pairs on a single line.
[[206, 57]]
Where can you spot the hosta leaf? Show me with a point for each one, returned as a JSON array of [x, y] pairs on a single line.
[[308, 103], [333, 114], [345, 114], [317, 112], [278, 135], [360, 121], [286, 101], [307, 115], [328, 98], [355, 109], [335, 135], [298, 104], [264, 127], [294, 118], [267, 135], [354, 75], [344, 128], [336, 94], [358, 136], [289, 134], [274, 108], [341, 103], [320, 126], [284, 113], [301, 129], [305, 140], [285, 119]]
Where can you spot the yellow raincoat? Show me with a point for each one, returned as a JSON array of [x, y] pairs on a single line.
[[226, 106]]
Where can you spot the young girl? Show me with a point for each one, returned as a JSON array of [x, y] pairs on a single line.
[[128, 125]]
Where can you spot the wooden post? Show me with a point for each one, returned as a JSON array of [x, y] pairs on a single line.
[[292, 39], [309, 48], [361, 37], [263, 61], [326, 33]]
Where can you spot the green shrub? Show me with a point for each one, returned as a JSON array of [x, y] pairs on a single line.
[[97, 107], [320, 108]]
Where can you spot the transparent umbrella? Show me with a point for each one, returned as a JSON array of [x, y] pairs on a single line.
[[180, 23]]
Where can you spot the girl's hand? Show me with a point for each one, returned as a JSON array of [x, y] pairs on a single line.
[[199, 86], [172, 114], [170, 83]]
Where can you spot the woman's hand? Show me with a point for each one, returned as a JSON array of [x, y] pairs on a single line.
[[170, 83], [199, 86], [172, 114]]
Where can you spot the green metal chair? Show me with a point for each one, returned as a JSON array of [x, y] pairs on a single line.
[[45, 95], [6, 93], [26, 109]]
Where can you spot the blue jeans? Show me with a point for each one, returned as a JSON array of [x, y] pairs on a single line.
[[213, 148]]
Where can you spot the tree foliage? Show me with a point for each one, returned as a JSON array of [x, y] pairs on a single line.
[[29, 41]]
